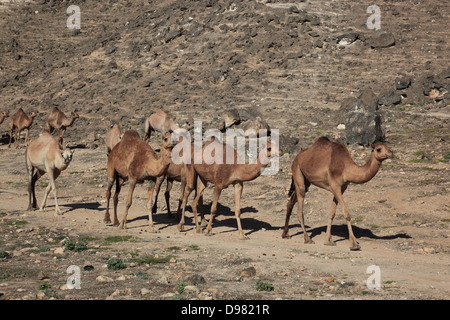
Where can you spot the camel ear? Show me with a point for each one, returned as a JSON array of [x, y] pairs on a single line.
[[372, 145]]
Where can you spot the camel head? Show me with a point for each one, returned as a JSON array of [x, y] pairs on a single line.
[[3, 114], [168, 140], [270, 150], [381, 152], [74, 115], [188, 125], [67, 155], [32, 114]]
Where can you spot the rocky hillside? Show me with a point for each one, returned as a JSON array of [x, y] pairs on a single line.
[[293, 62]]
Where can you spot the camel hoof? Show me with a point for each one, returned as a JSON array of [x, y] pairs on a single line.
[[180, 227], [309, 241], [356, 247], [285, 235], [330, 243], [242, 237], [154, 230]]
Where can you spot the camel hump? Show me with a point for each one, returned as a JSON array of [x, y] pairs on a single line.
[[131, 133]]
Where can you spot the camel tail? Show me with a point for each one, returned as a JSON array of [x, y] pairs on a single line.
[[292, 189]]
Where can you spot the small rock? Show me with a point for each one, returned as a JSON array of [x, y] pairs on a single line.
[[191, 290], [402, 83], [248, 272], [103, 279], [145, 291], [58, 251], [382, 39]]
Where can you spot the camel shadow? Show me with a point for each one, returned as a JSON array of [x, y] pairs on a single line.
[[342, 232], [83, 205]]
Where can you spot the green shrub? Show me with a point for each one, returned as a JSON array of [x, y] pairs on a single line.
[[115, 264], [75, 246], [263, 286]]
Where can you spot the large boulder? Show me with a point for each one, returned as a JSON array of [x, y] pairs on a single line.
[[363, 121]]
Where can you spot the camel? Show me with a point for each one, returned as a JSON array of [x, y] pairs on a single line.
[[113, 137], [43, 155], [162, 122], [58, 120], [328, 165], [222, 175], [3, 115], [175, 172], [134, 160], [20, 121]]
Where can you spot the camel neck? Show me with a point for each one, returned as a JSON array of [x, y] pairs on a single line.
[[156, 165], [252, 171], [362, 174]]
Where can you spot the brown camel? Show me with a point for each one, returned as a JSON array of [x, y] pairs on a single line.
[[134, 160], [329, 165], [43, 155], [162, 121], [3, 115], [175, 172], [20, 121], [222, 175], [58, 120], [113, 137]]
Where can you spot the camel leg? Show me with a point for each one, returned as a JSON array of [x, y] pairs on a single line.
[[167, 196], [17, 138], [159, 181], [10, 137], [200, 188], [190, 184], [119, 183], [61, 139], [290, 205], [44, 201], [107, 218], [238, 187], [203, 222], [328, 240], [301, 187], [53, 175], [27, 131], [111, 177], [217, 192], [338, 195], [32, 178], [151, 187], [123, 224], [180, 198]]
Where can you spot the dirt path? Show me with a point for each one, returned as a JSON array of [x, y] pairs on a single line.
[[408, 244]]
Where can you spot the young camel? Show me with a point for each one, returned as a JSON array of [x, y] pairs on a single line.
[[222, 175], [43, 155], [113, 137], [134, 160], [329, 165], [20, 121], [3, 115], [162, 122], [58, 120]]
